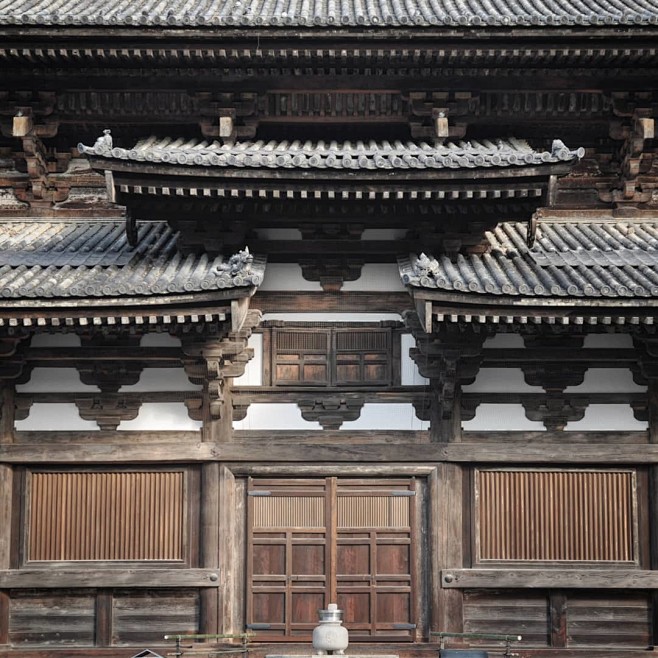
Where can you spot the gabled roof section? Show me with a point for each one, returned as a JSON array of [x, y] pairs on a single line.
[[76, 260], [254, 14], [360, 155], [613, 261]]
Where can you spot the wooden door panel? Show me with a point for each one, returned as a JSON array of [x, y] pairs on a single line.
[[345, 541]]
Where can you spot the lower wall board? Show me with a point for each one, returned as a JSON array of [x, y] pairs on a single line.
[[594, 619], [508, 613], [146, 616], [57, 618], [619, 620], [52, 618]]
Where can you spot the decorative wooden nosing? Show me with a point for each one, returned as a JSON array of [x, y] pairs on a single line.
[[450, 356], [551, 374], [108, 410], [13, 365], [331, 412], [331, 272], [22, 406], [555, 411], [209, 360]]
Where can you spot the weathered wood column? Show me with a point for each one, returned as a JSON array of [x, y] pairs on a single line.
[[213, 360], [449, 357], [647, 349]]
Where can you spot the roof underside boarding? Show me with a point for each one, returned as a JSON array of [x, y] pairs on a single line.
[[327, 13], [588, 265]]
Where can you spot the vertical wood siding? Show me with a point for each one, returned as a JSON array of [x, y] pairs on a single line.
[[373, 512], [288, 512], [106, 516], [556, 515]]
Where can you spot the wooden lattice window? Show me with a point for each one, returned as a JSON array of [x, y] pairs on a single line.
[[332, 356], [118, 515], [319, 541], [556, 515]]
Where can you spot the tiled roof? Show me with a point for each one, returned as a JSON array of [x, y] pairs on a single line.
[[613, 260], [68, 259], [328, 13], [335, 155]]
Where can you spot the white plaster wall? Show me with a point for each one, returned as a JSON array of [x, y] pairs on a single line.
[[55, 340], [611, 417], [611, 341], [383, 277], [607, 380], [54, 417], [268, 416], [253, 373], [287, 276], [161, 379], [161, 416], [409, 370], [159, 339], [393, 416], [500, 380], [501, 417], [60, 380]]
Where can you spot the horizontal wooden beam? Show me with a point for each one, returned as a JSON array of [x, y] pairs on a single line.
[[91, 575], [369, 451], [331, 302], [554, 577]]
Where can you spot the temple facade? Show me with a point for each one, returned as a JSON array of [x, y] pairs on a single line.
[[328, 302]]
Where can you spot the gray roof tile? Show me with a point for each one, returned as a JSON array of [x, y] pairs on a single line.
[[93, 259], [335, 155], [568, 260], [328, 13]]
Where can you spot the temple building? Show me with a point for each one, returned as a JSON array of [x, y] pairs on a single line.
[[328, 301]]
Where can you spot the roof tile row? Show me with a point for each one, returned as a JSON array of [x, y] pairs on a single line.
[[568, 260], [93, 259], [329, 13], [334, 155]]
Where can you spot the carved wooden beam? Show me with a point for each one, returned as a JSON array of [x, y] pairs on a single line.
[[331, 412], [555, 411], [108, 410]]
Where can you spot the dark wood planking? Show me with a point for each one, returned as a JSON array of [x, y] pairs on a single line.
[[566, 577], [331, 302], [366, 451], [105, 575], [557, 612]]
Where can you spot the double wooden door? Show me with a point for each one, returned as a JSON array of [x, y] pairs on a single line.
[[332, 540]]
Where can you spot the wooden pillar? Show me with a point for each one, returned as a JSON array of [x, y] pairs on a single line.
[[652, 405], [447, 549], [103, 629], [6, 525], [209, 546], [7, 413]]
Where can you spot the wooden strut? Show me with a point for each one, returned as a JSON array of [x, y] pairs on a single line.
[[189, 651], [508, 639]]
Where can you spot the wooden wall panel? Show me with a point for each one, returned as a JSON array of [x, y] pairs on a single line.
[[508, 612], [556, 515], [146, 616], [106, 516], [52, 617], [609, 619]]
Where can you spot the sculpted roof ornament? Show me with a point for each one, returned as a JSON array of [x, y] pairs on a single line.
[[319, 13], [367, 155]]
